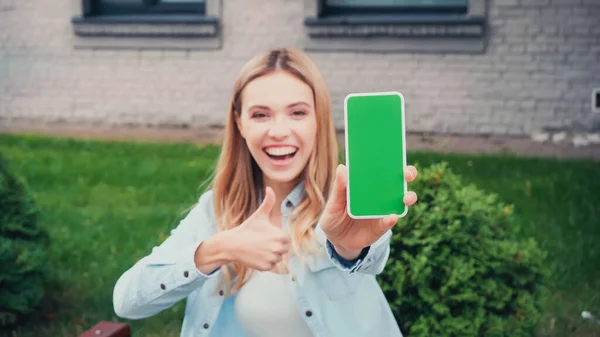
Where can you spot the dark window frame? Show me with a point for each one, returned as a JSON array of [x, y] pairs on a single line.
[[443, 30], [334, 10], [178, 25], [95, 8]]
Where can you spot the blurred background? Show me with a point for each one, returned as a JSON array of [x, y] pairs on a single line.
[[511, 67], [506, 92]]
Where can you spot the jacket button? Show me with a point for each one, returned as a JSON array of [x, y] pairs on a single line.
[[308, 313], [288, 204], [293, 278], [221, 292], [162, 286], [186, 274], [205, 325]]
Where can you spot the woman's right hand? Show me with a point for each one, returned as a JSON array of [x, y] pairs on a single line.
[[257, 243]]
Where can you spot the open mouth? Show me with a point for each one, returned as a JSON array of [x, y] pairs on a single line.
[[281, 153]]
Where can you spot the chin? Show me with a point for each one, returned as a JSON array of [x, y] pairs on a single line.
[[282, 177]]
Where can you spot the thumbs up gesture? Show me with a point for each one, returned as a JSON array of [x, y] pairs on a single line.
[[349, 236], [259, 244]]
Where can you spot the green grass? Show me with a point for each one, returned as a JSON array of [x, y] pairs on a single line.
[[106, 204]]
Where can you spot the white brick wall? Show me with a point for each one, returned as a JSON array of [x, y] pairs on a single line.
[[541, 64]]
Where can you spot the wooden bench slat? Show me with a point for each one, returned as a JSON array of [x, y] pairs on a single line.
[[108, 329]]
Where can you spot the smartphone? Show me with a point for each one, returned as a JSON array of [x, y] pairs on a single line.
[[375, 149]]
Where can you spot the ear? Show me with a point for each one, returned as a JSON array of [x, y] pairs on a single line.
[[238, 122]]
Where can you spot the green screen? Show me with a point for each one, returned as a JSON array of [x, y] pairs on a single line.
[[375, 154]]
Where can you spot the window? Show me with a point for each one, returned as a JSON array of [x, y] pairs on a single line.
[[396, 25], [154, 24], [395, 6], [129, 7]]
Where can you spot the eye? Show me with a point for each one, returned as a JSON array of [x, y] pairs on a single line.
[[258, 114], [299, 113]]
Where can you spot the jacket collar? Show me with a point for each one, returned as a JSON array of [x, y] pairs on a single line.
[[296, 196]]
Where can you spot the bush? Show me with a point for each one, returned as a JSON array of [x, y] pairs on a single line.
[[456, 267], [23, 250]]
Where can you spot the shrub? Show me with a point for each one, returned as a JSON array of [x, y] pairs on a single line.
[[456, 267], [23, 249]]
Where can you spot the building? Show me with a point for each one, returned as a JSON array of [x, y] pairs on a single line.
[[464, 66]]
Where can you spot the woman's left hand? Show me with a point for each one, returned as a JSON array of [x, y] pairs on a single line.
[[349, 236]]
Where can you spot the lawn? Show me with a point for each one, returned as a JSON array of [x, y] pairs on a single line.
[[106, 204]]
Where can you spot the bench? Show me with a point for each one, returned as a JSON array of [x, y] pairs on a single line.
[[108, 329]]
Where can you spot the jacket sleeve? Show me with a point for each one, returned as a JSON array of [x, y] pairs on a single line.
[[372, 261], [169, 273]]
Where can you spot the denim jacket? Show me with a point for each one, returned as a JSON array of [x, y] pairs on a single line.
[[336, 297]]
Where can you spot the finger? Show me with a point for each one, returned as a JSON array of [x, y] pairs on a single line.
[[267, 204], [275, 258], [338, 197], [410, 198], [269, 259], [286, 247], [410, 173], [285, 239], [265, 266], [388, 222], [282, 237], [281, 248]]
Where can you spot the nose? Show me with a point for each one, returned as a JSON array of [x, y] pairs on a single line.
[[279, 128]]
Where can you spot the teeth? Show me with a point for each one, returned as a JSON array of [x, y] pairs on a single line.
[[280, 151]]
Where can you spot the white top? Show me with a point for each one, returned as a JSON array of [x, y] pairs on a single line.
[[265, 307]]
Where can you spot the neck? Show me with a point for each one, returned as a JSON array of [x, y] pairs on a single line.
[[281, 190]]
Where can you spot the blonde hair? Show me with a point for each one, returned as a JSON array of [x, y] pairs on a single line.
[[237, 182]]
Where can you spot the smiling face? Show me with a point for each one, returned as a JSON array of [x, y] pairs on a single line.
[[278, 122]]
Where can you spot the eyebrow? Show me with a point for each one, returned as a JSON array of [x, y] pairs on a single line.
[[267, 108]]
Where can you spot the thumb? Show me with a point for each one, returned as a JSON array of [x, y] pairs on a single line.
[[267, 204]]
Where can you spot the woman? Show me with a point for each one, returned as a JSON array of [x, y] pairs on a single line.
[[269, 250]]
